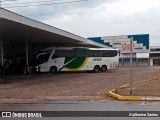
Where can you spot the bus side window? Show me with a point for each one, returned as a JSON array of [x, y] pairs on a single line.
[[54, 56], [105, 54], [101, 53]]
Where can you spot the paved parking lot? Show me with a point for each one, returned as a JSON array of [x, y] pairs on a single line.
[[70, 86]]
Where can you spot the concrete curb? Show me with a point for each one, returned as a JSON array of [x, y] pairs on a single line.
[[157, 78], [132, 98]]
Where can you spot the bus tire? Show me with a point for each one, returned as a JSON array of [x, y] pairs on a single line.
[[53, 70], [96, 69], [103, 68]]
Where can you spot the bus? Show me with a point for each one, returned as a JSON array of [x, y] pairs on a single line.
[[54, 60]]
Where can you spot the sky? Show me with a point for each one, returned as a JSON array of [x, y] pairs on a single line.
[[95, 18]]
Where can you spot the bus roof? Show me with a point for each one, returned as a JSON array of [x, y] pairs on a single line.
[[69, 48]]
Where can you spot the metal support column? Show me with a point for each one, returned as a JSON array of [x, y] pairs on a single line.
[[1, 58], [122, 62], [26, 49], [27, 69]]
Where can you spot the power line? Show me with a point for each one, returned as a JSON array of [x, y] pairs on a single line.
[[47, 4], [7, 0], [33, 2]]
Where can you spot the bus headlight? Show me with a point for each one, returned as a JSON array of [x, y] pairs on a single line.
[[37, 68]]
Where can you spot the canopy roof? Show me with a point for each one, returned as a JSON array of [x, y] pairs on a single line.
[[17, 28]]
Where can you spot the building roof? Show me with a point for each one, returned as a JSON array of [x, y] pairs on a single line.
[[18, 28]]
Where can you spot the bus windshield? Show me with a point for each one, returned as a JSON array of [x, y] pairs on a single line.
[[40, 57], [43, 57]]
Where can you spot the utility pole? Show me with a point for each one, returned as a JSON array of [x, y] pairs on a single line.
[[131, 43]]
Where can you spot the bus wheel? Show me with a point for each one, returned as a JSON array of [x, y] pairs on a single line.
[[104, 68], [96, 68], [53, 70]]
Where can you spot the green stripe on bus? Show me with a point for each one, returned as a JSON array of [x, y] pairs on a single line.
[[77, 62]]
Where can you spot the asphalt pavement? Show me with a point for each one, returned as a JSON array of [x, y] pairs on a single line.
[[123, 106]]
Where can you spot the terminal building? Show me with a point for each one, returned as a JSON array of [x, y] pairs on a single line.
[[140, 48], [20, 37], [155, 56]]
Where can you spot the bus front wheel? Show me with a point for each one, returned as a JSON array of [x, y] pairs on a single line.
[[96, 69], [104, 68], [53, 70]]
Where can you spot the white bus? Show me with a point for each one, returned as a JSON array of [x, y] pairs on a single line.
[[77, 59]]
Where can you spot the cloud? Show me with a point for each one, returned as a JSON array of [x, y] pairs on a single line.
[[101, 17], [51, 10]]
